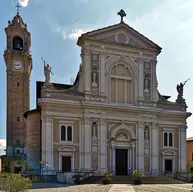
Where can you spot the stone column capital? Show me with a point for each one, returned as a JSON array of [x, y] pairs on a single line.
[[103, 121], [141, 61], [85, 51]]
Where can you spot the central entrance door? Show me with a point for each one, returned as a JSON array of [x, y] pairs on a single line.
[[121, 161], [66, 164], [168, 165]]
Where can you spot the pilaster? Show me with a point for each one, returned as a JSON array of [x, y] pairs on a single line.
[[154, 81], [102, 73], [183, 148], [103, 146], [87, 144], [86, 58], [140, 145], [141, 79], [47, 140], [154, 150]]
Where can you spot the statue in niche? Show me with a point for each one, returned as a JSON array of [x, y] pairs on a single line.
[[94, 132], [146, 84], [146, 134], [94, 76]]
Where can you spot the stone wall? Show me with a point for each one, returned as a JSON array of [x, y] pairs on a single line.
[[33, 140]]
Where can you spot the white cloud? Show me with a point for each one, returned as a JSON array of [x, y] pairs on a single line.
[[73, 35], [2, 143], [76, 33], [61, 31], [23, 3]]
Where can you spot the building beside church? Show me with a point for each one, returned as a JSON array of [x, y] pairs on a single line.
[[112, 118]]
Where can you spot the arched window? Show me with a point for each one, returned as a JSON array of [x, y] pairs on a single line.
[[69, 133], [165, 139], [121, 84], [17, 43], [170, 139], [63, 133]]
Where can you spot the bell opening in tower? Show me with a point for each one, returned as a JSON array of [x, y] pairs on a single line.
[[17, 43]]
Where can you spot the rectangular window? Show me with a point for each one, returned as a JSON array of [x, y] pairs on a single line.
[[192, 156], [17, 84]]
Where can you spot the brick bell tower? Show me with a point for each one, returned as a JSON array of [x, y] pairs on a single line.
[[19, 65]]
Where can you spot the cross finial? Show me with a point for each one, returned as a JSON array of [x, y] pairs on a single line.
[[122, 14], [18, 7]]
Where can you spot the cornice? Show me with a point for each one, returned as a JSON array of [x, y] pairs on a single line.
[[144, 111]]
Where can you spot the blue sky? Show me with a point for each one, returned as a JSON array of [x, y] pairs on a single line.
[[55, 25]]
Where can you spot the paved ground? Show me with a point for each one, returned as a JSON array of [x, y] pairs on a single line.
[[51, 187], [121, 188], [164, 188]]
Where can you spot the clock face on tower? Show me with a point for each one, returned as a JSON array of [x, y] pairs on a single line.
[[17, 65]]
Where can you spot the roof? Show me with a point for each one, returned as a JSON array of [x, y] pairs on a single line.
[[189, 139], [122, 24], [31, 111]]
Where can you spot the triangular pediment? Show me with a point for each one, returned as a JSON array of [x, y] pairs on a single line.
[[121, 34]]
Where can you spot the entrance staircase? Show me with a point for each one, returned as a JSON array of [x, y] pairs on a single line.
[[129, 180]]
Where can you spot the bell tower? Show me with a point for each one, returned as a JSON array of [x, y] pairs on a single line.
[[19, 65]]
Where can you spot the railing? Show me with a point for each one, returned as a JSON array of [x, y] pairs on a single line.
[[48, 175], [185, 177]]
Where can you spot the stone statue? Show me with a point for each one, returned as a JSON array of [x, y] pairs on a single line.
[[47, 71], [180, 90], [94, 130], [146, 84], [94, 83], [146, 133]]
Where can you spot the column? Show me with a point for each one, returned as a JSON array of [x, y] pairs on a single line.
[[87, 70], [141, 146], [154, 81], [128, 161], [102, 73], [81, 145], [47, 140], [133, 159], [179, 148], [113, 159], [87, 144], [183, 149], [103, 146], [141, 79], [154, 149]]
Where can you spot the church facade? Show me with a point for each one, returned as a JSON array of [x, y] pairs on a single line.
[[113, 116]]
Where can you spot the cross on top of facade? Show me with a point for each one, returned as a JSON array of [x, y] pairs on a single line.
[[18, 7], [122, 14]]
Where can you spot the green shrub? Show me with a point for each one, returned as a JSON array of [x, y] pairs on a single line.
[[14, 183], [137, 175], [107, 177]]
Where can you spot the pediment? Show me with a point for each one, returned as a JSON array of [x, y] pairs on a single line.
[[121, 34]]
